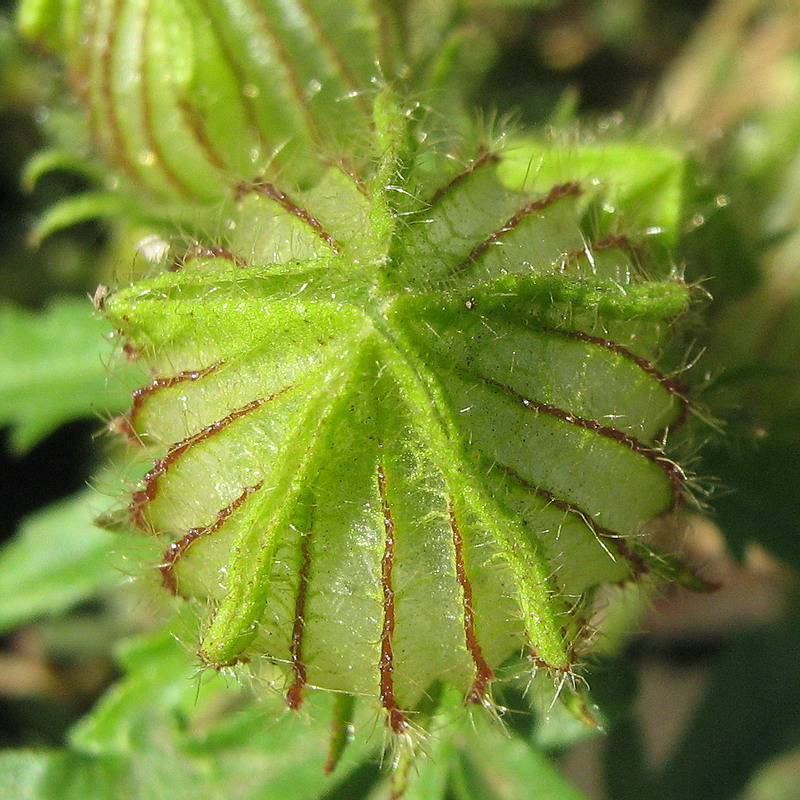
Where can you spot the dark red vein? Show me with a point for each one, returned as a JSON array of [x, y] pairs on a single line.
[[672, 471], [483, 672], [285, 61], [635, 561], [176, 550], [294, 697], [131, 352], [483, 160], [534, 207], [198, 250], [248, 103], [614, 241], [196, 124], [147, 109], [351, 173], [286, 202], [109, 43], [141, 394], [336, 56], [670, 385], [397, 721], [141, 497], [675, 388]]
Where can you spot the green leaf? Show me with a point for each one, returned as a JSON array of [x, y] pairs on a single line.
[[158, 682], [21, 773], [58, 775], [46, 161], [174, 734], [59, 558], [54, 369], [474, 757], [499, 767], [155, 735], [246, 773], [404, 422], [427, 778], [80, 208]]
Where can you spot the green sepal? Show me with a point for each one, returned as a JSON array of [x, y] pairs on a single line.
[[404, 422]]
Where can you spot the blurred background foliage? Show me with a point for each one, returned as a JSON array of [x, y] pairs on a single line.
[[701, 701]]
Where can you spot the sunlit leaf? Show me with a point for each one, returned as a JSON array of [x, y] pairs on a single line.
[[54, 369], [59, 558]]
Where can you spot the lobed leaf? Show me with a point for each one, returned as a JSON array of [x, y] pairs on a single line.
[[54, 369], [60, 558]]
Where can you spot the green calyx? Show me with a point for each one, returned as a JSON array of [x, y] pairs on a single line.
[[404, 422]]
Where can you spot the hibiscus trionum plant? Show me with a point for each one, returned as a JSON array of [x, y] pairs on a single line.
[[400, 441], [406, 407]]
